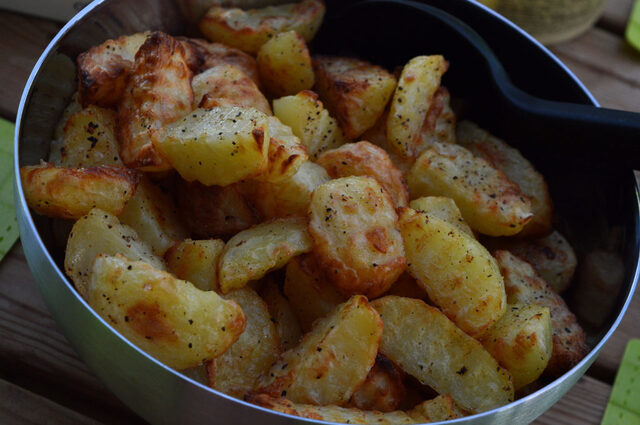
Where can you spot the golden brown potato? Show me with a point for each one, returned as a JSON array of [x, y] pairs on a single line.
[[218, 146], [490, 203], [517, 169], [248, 30], [366, 159], [407, 286], [286, 153], [441, 408], [140, 303], [332, 360], [237, 370], [355, 92], [252, 253], [457, 272], [285, 320], [73, 192], [158, 92], [378, 136], [196, 262], [103, 70], [285, 64], [411, 101], [445, 209], [521, 342], [356, 238], [525, 286], [440, 123], [421, 341], [383, 390], [101, 233]]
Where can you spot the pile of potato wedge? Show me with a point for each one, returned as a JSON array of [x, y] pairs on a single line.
[[311, 233]]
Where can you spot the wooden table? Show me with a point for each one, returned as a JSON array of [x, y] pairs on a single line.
[[43, 381]]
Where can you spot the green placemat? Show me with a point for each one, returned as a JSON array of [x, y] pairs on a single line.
[[8, 223], [624, 402], [633, 27]]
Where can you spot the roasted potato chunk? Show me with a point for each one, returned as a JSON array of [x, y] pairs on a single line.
[[521, 342], [457, 272], [411, 101], [285, 64], [517, 169], [73, 192], [196, 262], [286, 153], [445, 209], [285, 320], [441, 408], [332, 360], [525, 286], [158, 92], [440, 123], [490, 203], [237, 370], [101, 233], [408, 286], [168, 318], [366, 159], [383, 390], [218, 146], [378, 136], [248, 30], [355, 92], [356, 238], [250, 254], [421, 341], [309, 121]]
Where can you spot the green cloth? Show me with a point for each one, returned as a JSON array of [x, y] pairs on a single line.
[[633, 27], [624, 402], [8, 223]]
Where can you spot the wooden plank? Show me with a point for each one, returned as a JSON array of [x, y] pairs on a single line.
[[615, 15]]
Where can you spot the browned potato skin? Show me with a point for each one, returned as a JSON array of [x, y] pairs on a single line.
[[286, 153], [366, 159], [355, 92], [158, 92], [73, 192], [524, 285], [383, 390]]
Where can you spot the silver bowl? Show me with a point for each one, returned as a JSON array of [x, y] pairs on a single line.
[[163, 396]]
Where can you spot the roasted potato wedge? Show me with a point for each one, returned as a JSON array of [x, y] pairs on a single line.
[[490, 203], [445, 209], [383, 390], [517, 169], [286, 153], [355, 92], [218, 146], [141, 302], [332, 360], [378, 136], [366, 159], [237, 370], [285, 320], [248, 30], [408, 286], [421, 341], [196, 262], [99, 232], [440, 123], [356, 238], [250, 254], [73, 192], [457, 272], [285, 64], [525, 286]]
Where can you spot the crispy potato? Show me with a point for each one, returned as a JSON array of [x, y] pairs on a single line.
[[411, 101], [407, 286], [332, 360], [214, 211], [158, 92], [285, 64], [196, 262], [153, 215], [286, 153], [228, 83], [445, 209], [218, 146], [103, 70], [378, 136], [490, 203], [356, 238], [309, 121], [168, 318], [248, 30], [383, 390], [440, 123], [101, 233], [311, 295], [285, 320], [521, 342], [355, 92], [237, 370], [366, 159], [441, 408], [457, 272], [424, 343], [250, 254], [525, 286], [73, 192], [517, 169]]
